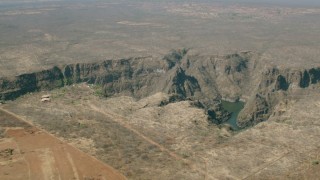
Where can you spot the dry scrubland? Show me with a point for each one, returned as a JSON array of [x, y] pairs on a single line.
[[27, 152], [276, 69], [175, 141], [35, 36]]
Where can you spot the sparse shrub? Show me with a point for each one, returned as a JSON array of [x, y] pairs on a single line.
[[315, 162], [98, 90], [67, 81], [2, 132], [185, 154], [2, 99], [83, 125]]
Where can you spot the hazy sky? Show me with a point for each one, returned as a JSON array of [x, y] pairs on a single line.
[[288, 2]]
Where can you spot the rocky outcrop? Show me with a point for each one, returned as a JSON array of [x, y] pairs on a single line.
[[184, 85], [204, 80], [276, 85], [214, 110], [174, 57], [14, 87]]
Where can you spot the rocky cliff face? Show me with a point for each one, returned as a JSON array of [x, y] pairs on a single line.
[[277, 85], [205, 80], [13, 87]]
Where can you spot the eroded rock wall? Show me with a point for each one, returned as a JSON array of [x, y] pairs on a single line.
[[277, 85], [201, 79]]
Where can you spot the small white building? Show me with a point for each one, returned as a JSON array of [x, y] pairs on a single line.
[[45, 98]]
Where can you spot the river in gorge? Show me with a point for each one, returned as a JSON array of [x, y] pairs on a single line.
[[234, 108]]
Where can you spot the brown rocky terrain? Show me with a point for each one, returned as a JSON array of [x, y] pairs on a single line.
[[27, 152], [140, 138], [99, 76], [204, 79], [138, 111]]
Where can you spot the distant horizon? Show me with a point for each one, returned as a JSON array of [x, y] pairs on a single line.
[[255, 2], [281, 2]]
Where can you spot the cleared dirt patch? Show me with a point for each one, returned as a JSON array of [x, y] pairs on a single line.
[[30, 153]]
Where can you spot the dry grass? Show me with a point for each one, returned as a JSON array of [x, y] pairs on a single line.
[[175, 141]]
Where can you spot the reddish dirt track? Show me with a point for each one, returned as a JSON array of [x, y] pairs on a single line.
[[30, 153]]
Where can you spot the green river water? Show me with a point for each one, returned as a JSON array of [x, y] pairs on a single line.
[[234, 108]]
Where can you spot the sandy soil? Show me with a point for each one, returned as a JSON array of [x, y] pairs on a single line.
[[27, 152], [145, 141]]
